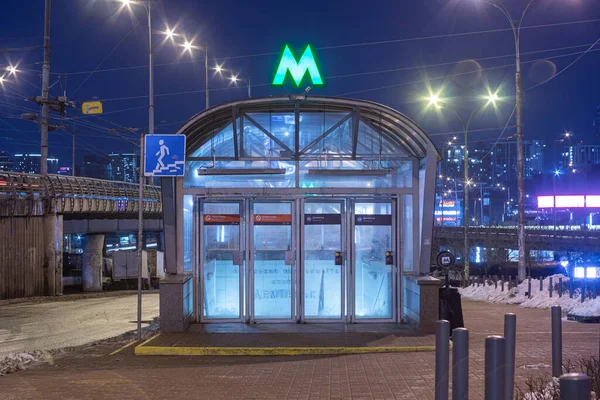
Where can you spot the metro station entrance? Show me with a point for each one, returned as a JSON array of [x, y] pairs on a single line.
[[301, 260]]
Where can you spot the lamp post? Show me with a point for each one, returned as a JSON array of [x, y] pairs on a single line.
[[189, 47], [516, 29], [438, 103], [235, 79]]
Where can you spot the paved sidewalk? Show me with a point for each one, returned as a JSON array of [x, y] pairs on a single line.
[[94, 374]]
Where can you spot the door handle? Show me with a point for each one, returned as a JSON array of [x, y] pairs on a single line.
[[290, 257]]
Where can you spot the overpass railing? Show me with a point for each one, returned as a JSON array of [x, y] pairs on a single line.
[[29, 194]]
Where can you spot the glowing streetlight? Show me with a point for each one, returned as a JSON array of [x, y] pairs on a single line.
[[1, 79], [218, 68], [187, 45], [434, 100], [11, 69], [126, 2], [556, 172], [169, 33], [233, 79]]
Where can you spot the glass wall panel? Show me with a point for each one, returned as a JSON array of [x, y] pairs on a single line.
[[188, 232], [272, 277], [221, 145], [309, 178], [280, 125], [373, 278], [322, 278], [221, 276], [314, 124], [407, 234]]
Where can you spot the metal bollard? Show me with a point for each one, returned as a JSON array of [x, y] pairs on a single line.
[[556, 341], [570, 288], [550, 287], [560, 287], [502, 285], [510, 339], [575, 387], [541, 284], [494, 368], [442, 359], [496, 282], [460, 364], [529, 287], [582, 291]]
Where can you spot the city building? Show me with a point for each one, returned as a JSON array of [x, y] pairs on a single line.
[[5, 162], [64, 171], [324, 218], [123, 167], [92, 166], [580, 155], [29, 163], [504, 160]]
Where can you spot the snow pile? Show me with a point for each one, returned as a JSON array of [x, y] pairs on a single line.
[[589, 308], [539, 299], [19, 361]]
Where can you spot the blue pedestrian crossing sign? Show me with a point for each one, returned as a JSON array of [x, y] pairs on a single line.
[[165, 155]]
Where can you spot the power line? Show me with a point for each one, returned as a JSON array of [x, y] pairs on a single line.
[[338, 46]]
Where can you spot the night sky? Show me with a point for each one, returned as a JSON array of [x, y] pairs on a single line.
[[247, 36]]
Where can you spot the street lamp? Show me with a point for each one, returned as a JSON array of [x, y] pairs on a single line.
[[234, 79], [516, 29], [188, 46], [434, 100]]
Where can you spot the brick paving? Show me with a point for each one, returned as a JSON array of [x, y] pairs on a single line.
[[93, 374]]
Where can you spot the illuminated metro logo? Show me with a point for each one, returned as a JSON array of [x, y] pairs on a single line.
[[297, 68]]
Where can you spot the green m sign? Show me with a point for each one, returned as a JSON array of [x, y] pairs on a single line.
[[299, 68]]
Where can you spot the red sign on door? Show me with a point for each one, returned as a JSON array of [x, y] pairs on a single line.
[[272, 219], [221, 219]]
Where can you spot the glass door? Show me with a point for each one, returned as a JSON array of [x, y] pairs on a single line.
[[223, 261], [272, 261], [323, 257], [373, 261]]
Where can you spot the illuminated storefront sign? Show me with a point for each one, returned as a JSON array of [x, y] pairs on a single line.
[[572, 201], [297, 68]]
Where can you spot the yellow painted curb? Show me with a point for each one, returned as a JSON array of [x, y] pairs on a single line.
[[122, 348], [142, 350]]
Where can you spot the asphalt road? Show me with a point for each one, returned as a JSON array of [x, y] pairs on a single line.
[[57, 324]]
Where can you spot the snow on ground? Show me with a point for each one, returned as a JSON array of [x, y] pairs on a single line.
[[518, 295]]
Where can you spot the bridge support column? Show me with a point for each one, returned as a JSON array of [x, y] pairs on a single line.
[[92, 263], [53, 254]]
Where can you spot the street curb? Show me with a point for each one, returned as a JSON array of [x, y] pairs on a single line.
[[145, 350]]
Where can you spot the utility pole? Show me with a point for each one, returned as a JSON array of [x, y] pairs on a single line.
[[45, 92]]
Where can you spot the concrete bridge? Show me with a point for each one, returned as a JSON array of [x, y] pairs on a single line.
[[35, 213], [560, 238]]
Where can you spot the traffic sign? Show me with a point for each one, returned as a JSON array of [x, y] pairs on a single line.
[[445, 259], [165, 155], [91, 107]]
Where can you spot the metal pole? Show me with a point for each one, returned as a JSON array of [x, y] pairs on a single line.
[[73, 151], [510, 337], [460, 364], [494, 368], [520, 159], [560, 287], [529, 287], [442, 359], [141, 173], [45, 92], [466, 213], [206, 74], [550, 286], [575, 387], [556, 341], [250, 95], [140, 238]]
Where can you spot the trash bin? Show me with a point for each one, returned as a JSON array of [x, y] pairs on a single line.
[[451, 307]]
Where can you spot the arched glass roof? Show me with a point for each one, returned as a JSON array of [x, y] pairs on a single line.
[[303, 128]]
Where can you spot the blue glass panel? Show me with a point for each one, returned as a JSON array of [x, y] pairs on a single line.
[[188, 234], [280, 125], [221, 143], [193, 179], [407, 234]]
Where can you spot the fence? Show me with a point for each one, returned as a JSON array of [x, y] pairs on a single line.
[[499, 363]]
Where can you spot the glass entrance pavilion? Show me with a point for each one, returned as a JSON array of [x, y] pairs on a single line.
[[301, 209]]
